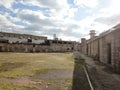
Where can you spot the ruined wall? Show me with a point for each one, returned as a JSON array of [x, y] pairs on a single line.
[[7, 47], [19, 47], [62, 48], [12, 42], [22, 38]]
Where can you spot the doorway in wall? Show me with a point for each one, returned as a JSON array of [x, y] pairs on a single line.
[[98, 50], [109, 56], [0, 48], [87, 49]]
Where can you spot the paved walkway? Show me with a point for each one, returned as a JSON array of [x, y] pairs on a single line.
[[101, 75]]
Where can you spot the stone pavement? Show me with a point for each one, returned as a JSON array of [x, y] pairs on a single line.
[[101, 75]]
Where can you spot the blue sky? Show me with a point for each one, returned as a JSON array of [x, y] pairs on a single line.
[[68, 19]]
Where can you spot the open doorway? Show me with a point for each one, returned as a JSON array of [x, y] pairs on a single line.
[[109, 56], [87, 49], [0, 48]]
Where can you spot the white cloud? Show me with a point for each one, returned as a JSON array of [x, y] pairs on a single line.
[[71, 12], [109, 15], [7, 3], [6, 24], [4, 20], [111, 9], [86, 3], [70, 38], [59, 17], [38, 14], [53, 4], [58, 8], [36, 21], [112, 20]]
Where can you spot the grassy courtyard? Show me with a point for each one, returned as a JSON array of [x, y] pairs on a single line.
[[36, 71]]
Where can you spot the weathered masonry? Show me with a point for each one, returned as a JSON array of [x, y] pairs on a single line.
[[21, 38], [12, 42], [105, 47]]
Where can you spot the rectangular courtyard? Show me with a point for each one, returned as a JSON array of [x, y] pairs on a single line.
[[40, 71]]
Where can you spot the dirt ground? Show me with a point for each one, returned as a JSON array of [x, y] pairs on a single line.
[[102, 76]]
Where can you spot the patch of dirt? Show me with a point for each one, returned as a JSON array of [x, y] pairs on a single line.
[[24, 81], [51, 80], [54, 74], [18, 81], [107, 79], [9, 66], [102, 76]]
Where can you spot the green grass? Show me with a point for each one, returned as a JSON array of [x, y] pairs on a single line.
[[15, 66]]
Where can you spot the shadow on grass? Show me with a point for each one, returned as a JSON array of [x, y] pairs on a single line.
[[9, 66], [79, 78]]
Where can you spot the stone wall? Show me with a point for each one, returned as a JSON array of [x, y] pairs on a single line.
[[105, 48], [93, 48], [12, 42], [83, 46], [116, 49], [29, 47], [22, 38], [7, 47]]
